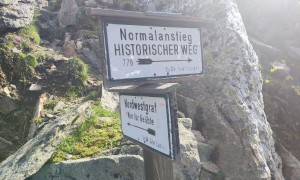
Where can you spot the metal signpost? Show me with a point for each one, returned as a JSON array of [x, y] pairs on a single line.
[[140, 50], [147, 120]]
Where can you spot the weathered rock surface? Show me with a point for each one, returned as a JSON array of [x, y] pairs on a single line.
[[291, 165], [41, 3], [230, 94], [36, 152], [133, 150], [60, 105], [275, 38], [16, 14], [69, 47], [124, 167], [5, 147], [69, 13], [109, 100], [187, 166], [191, 109], [7, 105], [91, 52]]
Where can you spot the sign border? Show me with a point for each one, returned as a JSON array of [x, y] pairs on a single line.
[[162, 23], [172, 141]]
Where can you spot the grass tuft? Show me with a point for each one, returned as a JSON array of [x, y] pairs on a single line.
[[31, 33]]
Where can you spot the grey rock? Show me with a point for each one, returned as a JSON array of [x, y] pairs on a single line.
[[191, 109], [79, 46], [187, 165], [91, 52], [291, 165], [180, 114], [187, 105], [7, 105], [198, 135], [35, 87], [105, 119], [16, 14], [41, 3], [230, 100], [69, 13], [277, 27], [13, 87], [109, 100], [6, 148], [205, 175], [36, 152], [6, 91], [186, 122], [60, 105], [108, 152], [109, 2], [69, 47], [123, 167], [5, 142], [90, 3], [15, 50], [131, 149], [50, 116], [205, 150], [210, 167]]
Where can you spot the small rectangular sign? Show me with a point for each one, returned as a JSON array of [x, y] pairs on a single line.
[[141, 52], [146, 120]]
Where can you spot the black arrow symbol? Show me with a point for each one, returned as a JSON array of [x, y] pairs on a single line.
[[147, 61], [150, 131]]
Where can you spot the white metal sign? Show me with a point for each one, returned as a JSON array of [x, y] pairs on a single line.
[[143, 52], [146, 119]]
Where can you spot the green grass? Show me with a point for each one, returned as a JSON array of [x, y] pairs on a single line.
[[80, 69], [49, 105], [94, 95], [30, 32], [31, 60], [9, 45], [91, 137]]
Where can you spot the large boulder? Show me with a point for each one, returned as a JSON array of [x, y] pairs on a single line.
[[7, 105], [69, 13], [16, 14], [187, 166], [36, 152], [230, 94], [91, 52], [121, 167]]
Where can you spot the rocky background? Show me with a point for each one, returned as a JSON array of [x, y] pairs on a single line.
[[238, 121]]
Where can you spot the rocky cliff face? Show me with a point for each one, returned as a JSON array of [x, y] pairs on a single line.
[[275, 38], [230, 96], [234, 135], [16, 14]]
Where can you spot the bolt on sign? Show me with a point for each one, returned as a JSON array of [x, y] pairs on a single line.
[[147, 121], [139, 52]]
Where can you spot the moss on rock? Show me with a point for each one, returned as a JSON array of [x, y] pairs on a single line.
[[91, 137]]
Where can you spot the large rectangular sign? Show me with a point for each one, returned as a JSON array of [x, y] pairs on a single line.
[[141, 52], [147, 120]]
